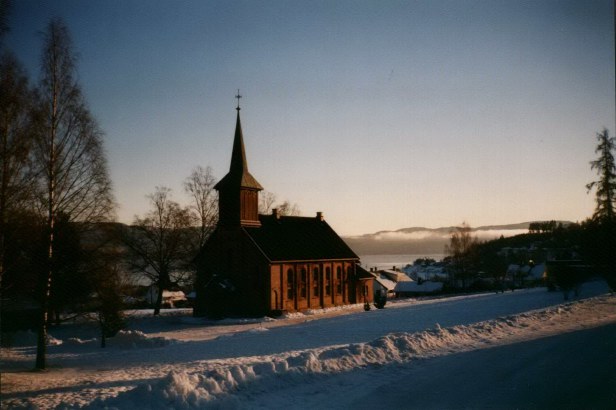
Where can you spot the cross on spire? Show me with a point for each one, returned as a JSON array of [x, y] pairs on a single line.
[[238, 96]]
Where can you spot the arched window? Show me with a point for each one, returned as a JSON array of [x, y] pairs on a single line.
[[328, 281], [290, 284], [315, 282], [339, 280], [302, 283]]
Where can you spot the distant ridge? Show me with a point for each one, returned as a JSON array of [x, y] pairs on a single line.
[[418, 240]]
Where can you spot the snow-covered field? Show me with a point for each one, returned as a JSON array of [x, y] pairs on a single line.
[[523, 349]]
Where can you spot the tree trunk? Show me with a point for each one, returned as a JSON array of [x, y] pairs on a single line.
[[159, 298], [101, 322], [41, 344]]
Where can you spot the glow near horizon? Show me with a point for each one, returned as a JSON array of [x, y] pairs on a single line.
[[381, 114]]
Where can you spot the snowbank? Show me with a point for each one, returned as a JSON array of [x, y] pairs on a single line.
[[136, 339], [218, 382], [130, 339]]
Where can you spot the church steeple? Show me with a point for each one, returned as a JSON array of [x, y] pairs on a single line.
[[238, 190]]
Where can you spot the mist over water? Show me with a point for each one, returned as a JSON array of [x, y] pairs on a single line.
[[399, 260]]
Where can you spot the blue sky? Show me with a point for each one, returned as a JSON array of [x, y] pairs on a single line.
[[381, 114]]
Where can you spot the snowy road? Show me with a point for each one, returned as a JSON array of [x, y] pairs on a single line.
[[463, 352], [359, 326], [570, 371]]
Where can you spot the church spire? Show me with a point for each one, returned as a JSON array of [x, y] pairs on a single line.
[[239, 165], [238, 190]]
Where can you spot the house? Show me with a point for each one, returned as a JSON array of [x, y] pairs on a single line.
[[395, 275], [435, 272], [385, 280], [526, 273], [254, 265], [413, 288], [171, 298], [383, 283]]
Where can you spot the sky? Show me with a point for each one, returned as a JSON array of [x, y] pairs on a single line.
[[381, 114]]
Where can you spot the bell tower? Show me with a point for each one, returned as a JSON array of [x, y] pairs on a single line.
[[238, 191]]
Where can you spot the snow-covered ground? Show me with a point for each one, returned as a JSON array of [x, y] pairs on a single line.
[[522, 349]]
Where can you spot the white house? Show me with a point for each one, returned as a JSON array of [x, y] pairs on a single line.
[[170, 297], [390, 280]]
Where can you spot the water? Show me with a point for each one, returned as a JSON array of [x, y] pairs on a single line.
[[399, 261]]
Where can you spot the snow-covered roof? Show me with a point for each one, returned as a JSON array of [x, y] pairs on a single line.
[[535, 272], [395, 275], [385, 282]]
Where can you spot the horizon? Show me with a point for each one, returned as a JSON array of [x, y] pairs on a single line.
[[383, 115]]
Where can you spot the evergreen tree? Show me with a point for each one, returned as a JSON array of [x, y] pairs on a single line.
[[601, 229], [606, 185]]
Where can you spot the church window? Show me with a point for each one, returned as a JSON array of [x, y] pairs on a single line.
[[328, 281], [339, 280], [290, 284], [303, 284], [315, 282]]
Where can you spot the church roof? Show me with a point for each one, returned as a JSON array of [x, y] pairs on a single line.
[[296, 238], [238, 171]]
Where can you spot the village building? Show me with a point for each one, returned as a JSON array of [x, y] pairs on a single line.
[[254, 265], [395, 283], [171, 298]]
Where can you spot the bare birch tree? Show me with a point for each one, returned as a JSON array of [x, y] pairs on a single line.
[[462, 246], [288, 209], [200, 187], [68, 156], [160, 242], [15, 144], [267, 202]]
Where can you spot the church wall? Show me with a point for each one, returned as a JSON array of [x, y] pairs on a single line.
[[231, 256], [364, 291], [297, 286], [229, 208], [251, 272], [265, 288]]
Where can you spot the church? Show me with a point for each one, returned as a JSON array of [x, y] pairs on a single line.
[[257, 265]]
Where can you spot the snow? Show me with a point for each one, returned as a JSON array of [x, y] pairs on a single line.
[[385, 282], [473, 351], [416, 287]]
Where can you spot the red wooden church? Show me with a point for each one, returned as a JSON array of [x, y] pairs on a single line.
[[254, 265]]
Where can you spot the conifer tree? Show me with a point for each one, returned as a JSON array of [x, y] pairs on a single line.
[[600, 233], [606, 184]]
